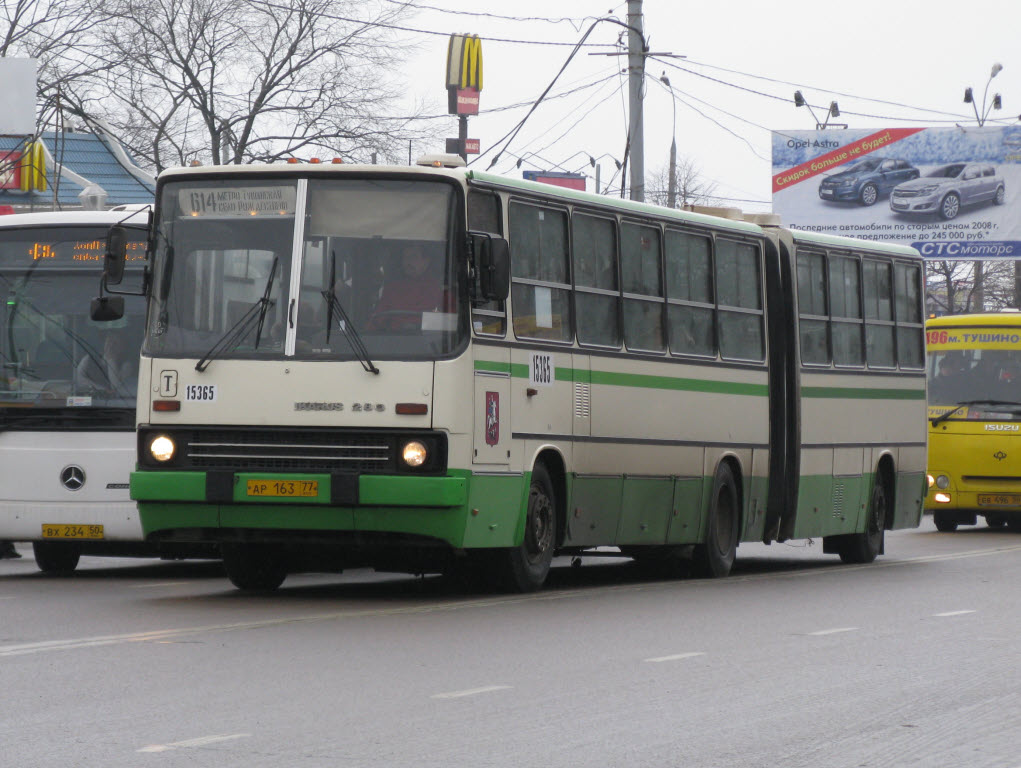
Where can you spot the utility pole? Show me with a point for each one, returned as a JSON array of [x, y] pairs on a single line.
[[636, 82]]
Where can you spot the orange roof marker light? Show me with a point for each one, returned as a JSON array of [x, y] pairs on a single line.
[[293, 160], [338, 161], [314, 160]]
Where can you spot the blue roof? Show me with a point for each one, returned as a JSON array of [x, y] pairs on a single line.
[[88, 155]]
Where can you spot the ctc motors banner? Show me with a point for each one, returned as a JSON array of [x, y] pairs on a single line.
[[951, 193]]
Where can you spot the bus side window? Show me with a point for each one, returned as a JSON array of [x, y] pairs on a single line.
[[908, 305], [689, 289], [540, 282], [641, 269], [484, 216], [739, 293], [813, 309], [597, 299], [879, 329], [845, 307]]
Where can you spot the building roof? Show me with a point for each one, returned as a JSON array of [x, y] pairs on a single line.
[[90, 157]]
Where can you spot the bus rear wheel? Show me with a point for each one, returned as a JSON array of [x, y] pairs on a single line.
[[524, 568], [715, 556], [254, 567], [866, 546], [58, 558]]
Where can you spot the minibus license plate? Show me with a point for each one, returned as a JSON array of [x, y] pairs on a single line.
[[284, 488], [66, 531], [999, 499]]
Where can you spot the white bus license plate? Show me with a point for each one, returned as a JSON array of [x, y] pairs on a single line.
[[68, 531], [999, 499]]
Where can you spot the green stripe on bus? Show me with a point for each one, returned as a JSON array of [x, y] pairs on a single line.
[[862, 393], [642, 381]]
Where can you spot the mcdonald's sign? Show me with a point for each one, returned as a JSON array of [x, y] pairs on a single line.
[[10, 170], [464, 74], [33, 168]]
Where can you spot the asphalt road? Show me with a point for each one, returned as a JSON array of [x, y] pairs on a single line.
[[794, 660]]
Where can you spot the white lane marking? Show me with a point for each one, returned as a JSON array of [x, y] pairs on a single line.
[[158, 584], [469, 692], [822, 632], [675, 657], [952, 613], [199, 742]]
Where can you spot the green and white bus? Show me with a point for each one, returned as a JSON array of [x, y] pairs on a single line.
[[429, 368]]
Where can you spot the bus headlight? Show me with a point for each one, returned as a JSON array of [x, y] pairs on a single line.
[[414, 453], [942, 482], [162, 448]]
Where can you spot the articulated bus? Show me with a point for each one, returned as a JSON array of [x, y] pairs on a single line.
[[974, 369], [67, 388], [427, 369]]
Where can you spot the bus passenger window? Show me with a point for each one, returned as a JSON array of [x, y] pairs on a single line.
[[740, 301], [813, 309], [845, 300], [879, 329], [690, 294], [640, 257], [540, 289], [594, 248]]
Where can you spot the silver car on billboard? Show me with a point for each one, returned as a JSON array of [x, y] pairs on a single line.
[[948, 188]]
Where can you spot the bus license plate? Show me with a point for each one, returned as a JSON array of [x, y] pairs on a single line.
[[999, 499], [65, 531], [284, 488]]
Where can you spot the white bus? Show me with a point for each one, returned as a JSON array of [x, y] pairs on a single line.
[[67, 388], [430, 368]]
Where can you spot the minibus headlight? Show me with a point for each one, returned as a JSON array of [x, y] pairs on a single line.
[[942, 482], [162, 448], [929, 479], [414, 453]]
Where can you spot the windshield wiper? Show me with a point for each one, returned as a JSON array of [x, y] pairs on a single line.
[[944, 416], [333, 305], [257, 312]]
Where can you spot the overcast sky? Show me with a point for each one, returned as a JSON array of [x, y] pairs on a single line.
[[885, 62]]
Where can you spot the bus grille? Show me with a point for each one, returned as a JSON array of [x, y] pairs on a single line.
[[255, 450]]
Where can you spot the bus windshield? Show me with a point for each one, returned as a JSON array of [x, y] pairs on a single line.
[[54, 357], [989, 378], [371, 270]]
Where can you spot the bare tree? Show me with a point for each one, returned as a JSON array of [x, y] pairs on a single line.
[[62, 36], [235, 81], [950, 287], [692, 187]]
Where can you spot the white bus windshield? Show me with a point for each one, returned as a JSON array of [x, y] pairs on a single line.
[[54, 356], [376, 261]]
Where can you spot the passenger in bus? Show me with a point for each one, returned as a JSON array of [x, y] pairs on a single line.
[[417, 288], [948, 384], [115, 372]]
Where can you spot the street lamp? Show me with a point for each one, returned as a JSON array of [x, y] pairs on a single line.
[[832, 111], [671, 195], [997, 103]]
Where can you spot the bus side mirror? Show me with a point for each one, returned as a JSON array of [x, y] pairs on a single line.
[[113, 259], [107, 308], [493, 264]]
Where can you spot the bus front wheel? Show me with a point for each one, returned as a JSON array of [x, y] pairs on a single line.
[[945, 522], [254, 567], [524, 568], [715, 556]]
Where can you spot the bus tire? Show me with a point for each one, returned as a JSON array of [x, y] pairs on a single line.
[[57, 558], [945, 522], [254, 567], [866, 546], [524, 568], [714, 557], [996, 521]]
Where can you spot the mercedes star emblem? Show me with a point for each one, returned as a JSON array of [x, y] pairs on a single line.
[[72, 477]]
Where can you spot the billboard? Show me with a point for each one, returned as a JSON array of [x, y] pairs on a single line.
[[951, 193], [558, 179], [17, 96]]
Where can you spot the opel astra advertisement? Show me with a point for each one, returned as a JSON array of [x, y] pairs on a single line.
[[952, 193]]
